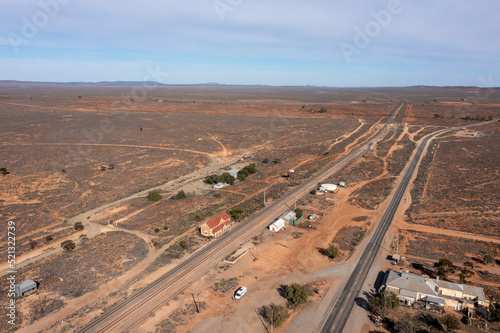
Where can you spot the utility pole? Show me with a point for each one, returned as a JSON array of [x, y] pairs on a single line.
[[264, 198], [295, 206]]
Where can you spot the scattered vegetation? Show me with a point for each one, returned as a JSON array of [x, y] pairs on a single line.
[[154, 196]]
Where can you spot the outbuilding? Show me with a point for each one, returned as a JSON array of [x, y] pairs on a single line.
[[25, 286], [277, 225], [329, 187]]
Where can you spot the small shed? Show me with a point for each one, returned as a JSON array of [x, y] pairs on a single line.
[[277, 225], [342, 184], [312, 217], [288, 216], [329, 187], [24, 287]]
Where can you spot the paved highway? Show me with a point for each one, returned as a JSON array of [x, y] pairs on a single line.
[[202, 260], [341, 307]]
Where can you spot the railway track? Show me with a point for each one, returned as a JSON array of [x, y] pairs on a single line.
[[221, 246]]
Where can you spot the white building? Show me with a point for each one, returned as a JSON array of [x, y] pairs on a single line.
[[329, 187], [277, 225]]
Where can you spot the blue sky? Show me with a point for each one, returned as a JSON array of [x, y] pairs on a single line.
[[340, 43]]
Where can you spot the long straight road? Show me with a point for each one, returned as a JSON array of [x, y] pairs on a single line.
[[139, 305], [342, 306]]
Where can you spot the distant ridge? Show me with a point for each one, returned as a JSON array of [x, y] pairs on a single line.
[[215, 84]]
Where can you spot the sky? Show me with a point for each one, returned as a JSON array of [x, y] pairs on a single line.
[[337, 43]]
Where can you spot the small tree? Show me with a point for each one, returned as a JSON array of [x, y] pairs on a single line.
[[154, 196], [79, 226], [332, 251], [383, 301], [276, 314], [184, 244], [299, 212], [313, 192], [48, 238], [165, 227], [157, 230], [451, 322], [4, 171], [296, 294], [68, 245], [444, 267]]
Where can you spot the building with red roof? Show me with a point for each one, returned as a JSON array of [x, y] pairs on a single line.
[[217, 226]]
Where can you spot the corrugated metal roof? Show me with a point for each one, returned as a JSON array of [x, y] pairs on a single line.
[[436, 300]]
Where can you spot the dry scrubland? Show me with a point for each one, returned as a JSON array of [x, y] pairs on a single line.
[[55, 138]]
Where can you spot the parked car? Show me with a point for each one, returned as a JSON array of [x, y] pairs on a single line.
[[240, 292]]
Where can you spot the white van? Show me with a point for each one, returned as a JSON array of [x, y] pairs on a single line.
[[240, 292]]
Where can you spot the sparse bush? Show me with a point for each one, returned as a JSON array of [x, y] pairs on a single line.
[[165, 227], [48, 238], [236, 214], [276, 161], [68, 245], [184, 244], [180, 195], [296, 294], [157, 230], [4, 171], [217, 195], [451, 322], [382, 301], [488, 259], [79, 226], [276, 314], [33, 244], [266, 160], [154, 196], [332, 251]]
